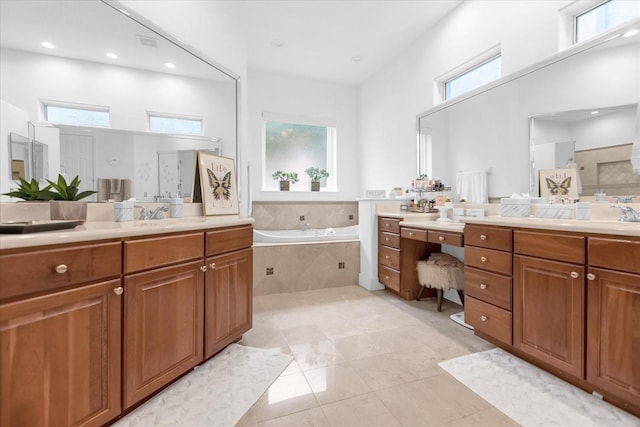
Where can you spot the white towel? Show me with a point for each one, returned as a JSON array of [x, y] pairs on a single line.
[[472, 186]]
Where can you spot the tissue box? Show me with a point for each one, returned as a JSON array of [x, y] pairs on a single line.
[[176, 206], [583, 210], [554, 211], [515, 207], [123, 211]]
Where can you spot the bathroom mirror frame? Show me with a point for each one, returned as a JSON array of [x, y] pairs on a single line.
[[441, 117], [232, 106]]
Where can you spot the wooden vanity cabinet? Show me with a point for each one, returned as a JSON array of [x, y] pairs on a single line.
[[60, 346], [163, 312], [228, 287]]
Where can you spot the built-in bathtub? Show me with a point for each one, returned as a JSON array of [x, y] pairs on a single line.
[[296, 260], [310, 235]]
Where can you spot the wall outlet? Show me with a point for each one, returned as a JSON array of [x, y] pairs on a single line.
[[269, 271], [341, 266], [301, 217], [351, 217]]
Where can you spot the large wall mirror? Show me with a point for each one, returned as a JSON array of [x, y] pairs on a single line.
[[510, 130], [105, 61]]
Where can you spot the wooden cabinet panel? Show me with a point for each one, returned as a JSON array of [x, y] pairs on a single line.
[[389, 257], [615, 254], [163, 327], [488, 319], [389, 277], [229, 239], [488, 237], [32, 271], [390, 225], [228, 299], [145, 254], [613, 338], [413, 234], [60, 358], [549, 310], [389, 239], [488, 259], [445, 238], [488, 287], [551, 246]]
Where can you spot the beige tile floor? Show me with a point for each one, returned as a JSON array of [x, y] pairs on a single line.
[[364, 359]]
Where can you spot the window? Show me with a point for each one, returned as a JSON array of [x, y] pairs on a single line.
[[76, 115], [175, 124], [293, 144], [474, 77], [603, 17]]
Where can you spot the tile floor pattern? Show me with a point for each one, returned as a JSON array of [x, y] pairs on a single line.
[[364, 359]]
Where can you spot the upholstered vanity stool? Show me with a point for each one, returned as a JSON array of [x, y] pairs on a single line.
[[441, 271]]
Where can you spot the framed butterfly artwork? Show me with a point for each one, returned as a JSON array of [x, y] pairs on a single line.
[[559, 183], [215, 182]]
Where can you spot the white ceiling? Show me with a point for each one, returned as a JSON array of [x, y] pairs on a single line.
[[321, 36]]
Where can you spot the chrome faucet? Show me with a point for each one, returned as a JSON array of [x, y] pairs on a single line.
[[628, 214], [627, 199], [144, 212], [157, 212]]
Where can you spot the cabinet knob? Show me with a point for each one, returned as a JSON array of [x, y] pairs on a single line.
[[386, 257], [118, 291], [410, 233], [483, 286], [574, 274], [203, 268], [441, 238], [387, 239], [212, 265], [387, 225], [386, 277], [61, 269], [483, 318], [483, 258], [483, 237], [591, 276]]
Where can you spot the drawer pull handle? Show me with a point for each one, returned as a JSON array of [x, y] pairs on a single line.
[[483, 258], [574, 275], [441, 238], [212, 265], [61, 269], [483, 237], [591, 276], [483, 286], [203, 268], [483, 318], [119, 290]]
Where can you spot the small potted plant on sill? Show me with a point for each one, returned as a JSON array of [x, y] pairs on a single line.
[[66, 199], [316, 174], [285, 178], [30, 191]]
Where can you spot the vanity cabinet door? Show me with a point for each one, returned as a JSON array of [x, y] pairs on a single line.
[[60, 358], [163, 327], [548, 312], [613, 342], [228, 299]]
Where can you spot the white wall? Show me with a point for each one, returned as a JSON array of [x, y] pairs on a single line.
[[12, 119], [609, 129], [278, 93]]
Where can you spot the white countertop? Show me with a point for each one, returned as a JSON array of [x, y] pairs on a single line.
[[101, 230]]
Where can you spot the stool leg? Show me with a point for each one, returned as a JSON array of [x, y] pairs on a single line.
[[461, 295], [420, 293], [439, 295]]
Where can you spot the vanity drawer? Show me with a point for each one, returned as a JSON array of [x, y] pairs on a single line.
[[44, 270], [389, 277], [155, 252], [389, 257], [390, 225], [488, 319], [488, 287], [389, 239], [445, 238], [414, 234], [488, 259], [229, 239], [557, 247], [488, 237], [615, 254]]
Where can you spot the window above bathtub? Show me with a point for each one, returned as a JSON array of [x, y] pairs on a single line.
[[293, 144]]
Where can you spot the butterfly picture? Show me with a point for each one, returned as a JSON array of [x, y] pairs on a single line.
[[221, 188], [559, 188]]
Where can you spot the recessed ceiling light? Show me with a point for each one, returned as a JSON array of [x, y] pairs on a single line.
[[112, 55], [594, 112], [631, 33], [356, 58], [47, 45], [170, 65], [278, 43]]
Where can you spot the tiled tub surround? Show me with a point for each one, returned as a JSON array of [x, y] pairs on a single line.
[[287, 215]]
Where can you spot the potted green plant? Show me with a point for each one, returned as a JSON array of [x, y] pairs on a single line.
[[30, 191], [285, 178], [316, 174], [66, 199]]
